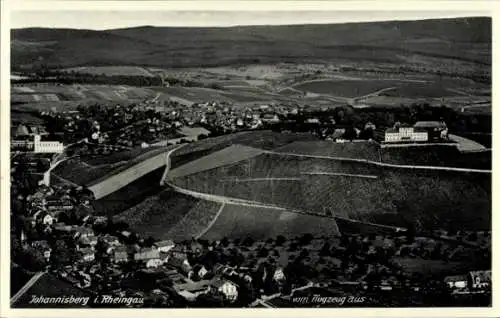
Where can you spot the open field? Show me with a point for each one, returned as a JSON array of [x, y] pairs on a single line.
[[111, 70], [420, 90], [345, 88], [358, 150], [33, 93], [442, 155], [241, 221], [229, 155]]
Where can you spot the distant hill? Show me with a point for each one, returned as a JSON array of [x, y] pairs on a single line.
[[466, 39]]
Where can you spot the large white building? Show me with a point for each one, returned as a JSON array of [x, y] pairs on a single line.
[[406, 134], [37, 145], [47, 146]]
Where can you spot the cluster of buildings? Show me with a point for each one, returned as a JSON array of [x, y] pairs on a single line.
[[421, 131], [31, 138]]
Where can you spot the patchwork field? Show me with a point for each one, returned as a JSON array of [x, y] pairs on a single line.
[[263, 139], [32, 93], [111, 70]]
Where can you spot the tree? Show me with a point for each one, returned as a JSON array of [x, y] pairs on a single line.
[[224, 242], [61, 254], [263, 252], [280, 239], [33, 259], [248, 241], [325, 250], [306, 239]]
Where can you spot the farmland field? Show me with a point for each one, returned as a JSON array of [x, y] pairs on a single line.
[[420, 90], [111, 70], [346, 88], [34, 94], [82, 170], [157, 214], [226, 156], [441, 155], [195, 221], [356, 150], [237, 221], [131, 194], [354, 190], [263, 139], [131, 156], [80, 173]]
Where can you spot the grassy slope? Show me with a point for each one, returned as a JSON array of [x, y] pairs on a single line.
[[195, 221], [159, 46], [157, 214], [240, 221], [397, 197]]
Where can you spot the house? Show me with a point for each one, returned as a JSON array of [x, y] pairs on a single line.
[[62, 227], [436, 130], [88, 240], [196, 247], [198, 271], [110, 240], [480, 279], [45, 218], [86, 254], [227, 288], [154, 263], [180, 264], [456, 281], [164, 246], [99, 219], [405, 133], [179, 251], [370, 125], [279, 275], [43, 246], [82, 231], [146, 254]]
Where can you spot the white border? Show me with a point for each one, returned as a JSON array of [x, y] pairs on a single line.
[[443, 6]]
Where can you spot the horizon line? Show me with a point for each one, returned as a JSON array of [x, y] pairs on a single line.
[[252, 25]]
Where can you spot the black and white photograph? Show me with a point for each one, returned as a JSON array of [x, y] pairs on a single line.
[[249, 159]]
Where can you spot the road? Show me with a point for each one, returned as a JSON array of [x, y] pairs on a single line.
[[367, 176], [209, 226], [26, 287], [168, 163]]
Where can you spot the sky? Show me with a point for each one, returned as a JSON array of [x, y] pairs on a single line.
[[101, 20]]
